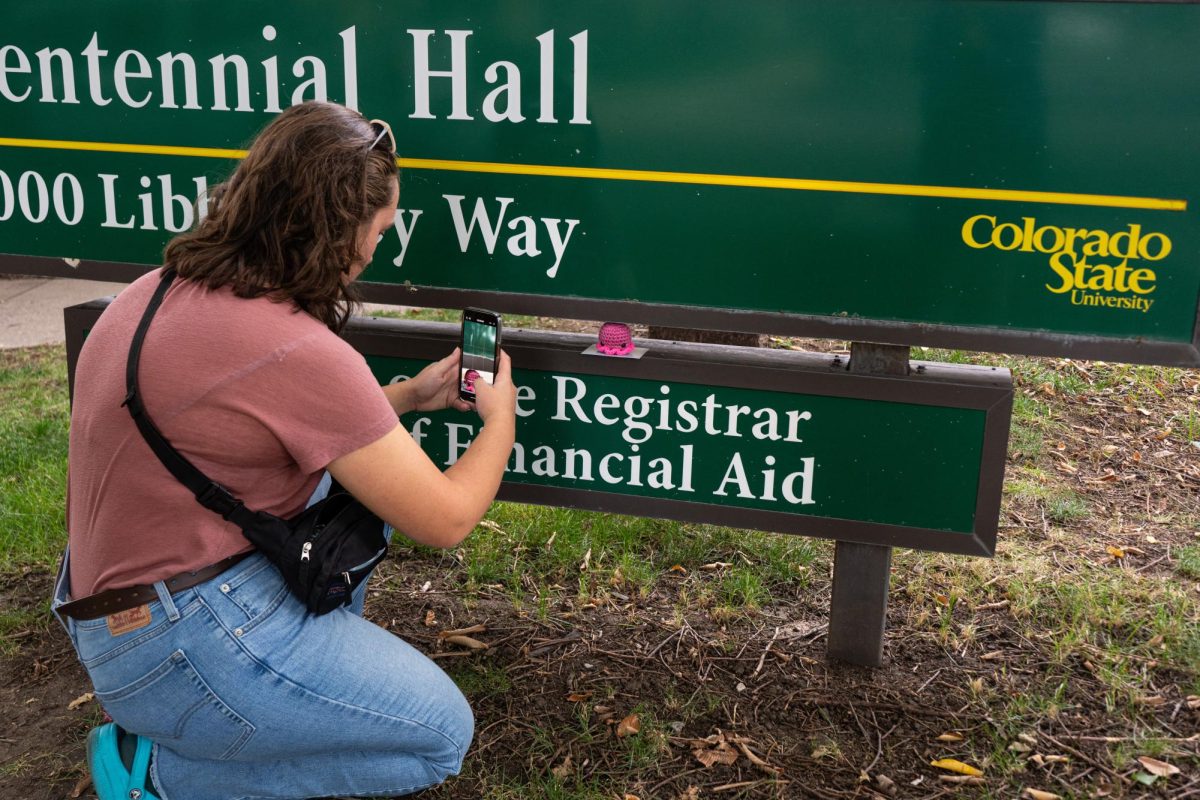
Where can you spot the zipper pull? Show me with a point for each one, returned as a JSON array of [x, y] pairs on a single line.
[[304, 551]]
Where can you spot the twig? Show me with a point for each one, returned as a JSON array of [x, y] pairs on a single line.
[[659, 646], [763, 657], [729, 787], [879, 749], [931, 677], [1078, 754], [1192, 738]]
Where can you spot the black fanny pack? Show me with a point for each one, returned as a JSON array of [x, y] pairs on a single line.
[[324, 552]]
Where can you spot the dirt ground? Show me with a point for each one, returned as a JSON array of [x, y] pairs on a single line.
[[745, 706], [815, 726]]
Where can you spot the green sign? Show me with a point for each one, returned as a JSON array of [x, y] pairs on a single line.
[[1005, 175], [779, 440], [775, 451]]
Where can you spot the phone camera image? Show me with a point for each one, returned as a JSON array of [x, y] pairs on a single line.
[[480, 340]]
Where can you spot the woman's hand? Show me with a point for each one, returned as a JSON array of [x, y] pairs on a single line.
[[433, 388], [498, 399]]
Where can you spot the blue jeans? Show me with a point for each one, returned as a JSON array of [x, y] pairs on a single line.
[[247, 695]]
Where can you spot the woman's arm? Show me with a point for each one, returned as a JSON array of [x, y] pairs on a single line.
[[394, 478]]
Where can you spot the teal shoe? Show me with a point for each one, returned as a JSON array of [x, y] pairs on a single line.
[[112, 779]]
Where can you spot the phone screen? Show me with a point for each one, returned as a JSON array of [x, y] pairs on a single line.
[[480, 347]]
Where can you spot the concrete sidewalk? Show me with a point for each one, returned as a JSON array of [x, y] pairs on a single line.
[[31, 308]]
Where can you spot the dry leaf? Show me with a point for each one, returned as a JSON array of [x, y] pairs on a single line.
[[563, 770], [1042, 760], [579, 697], [723, 754], [824, 751], [1115, 551], [467, 641], [1019, 747], [964, 780], [629, 796], [941, 599], [1159, 768], [1038, 794], [955, 765], [885, 784], [425, 586], [587, 561], [692, 793], [1193, 702], [678, 568], [86, 697], [430, 618], [629, 726], [715, 566], [950, 737]]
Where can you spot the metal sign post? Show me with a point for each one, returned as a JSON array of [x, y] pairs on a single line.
[[862, 572]]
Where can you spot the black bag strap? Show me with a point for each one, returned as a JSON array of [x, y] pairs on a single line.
[[208, 492]]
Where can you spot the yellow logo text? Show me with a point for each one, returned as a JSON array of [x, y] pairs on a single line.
[[1092, 265]]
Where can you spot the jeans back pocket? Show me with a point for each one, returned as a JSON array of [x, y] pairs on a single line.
[[174, 706]]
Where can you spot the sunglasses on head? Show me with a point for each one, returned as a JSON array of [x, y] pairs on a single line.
[[383, 131]]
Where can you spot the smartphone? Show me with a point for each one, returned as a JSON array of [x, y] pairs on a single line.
[[480, 350]]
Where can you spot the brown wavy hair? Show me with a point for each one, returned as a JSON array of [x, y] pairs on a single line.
[[286, 223]]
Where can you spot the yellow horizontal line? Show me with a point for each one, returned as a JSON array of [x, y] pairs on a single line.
[[598, 173], [113, 147]]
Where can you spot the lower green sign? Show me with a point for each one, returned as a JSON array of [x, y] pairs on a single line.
[[865, 460], [772, 440]]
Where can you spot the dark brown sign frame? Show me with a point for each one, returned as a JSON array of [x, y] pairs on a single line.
[[1033, 343], [930, 384]]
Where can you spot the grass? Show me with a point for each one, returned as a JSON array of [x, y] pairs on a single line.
[[480, 679], [1128, 627], [14, 623], [1188, 561], [33, 461], [530, 549], [1074, 607], [1059, 503]]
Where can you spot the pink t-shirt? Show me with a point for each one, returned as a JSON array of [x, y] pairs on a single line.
[[259, 396]]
